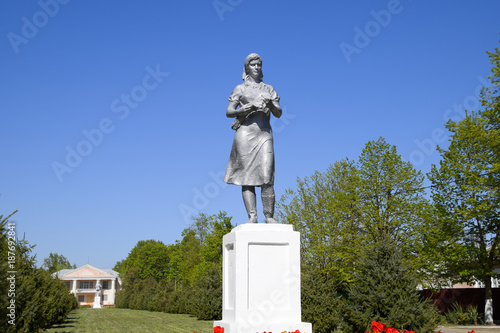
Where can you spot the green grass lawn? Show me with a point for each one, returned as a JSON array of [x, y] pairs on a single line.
[[111, 320]]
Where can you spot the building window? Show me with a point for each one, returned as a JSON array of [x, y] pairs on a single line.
[[86, 284], [67, 284], [105, 284], [81, 298], [104, 298]]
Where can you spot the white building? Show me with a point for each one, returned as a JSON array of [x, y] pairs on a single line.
[[82, 283]]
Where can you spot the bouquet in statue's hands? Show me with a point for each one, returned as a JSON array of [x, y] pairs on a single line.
[[261, 102], [259, 105]]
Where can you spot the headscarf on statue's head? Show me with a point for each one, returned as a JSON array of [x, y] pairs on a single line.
[[250, 57]]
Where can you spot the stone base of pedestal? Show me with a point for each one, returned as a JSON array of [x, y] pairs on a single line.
[[241, 327], [261, 280], [97, 303]]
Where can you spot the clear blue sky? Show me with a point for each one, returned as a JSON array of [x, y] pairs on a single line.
[[113, 113]]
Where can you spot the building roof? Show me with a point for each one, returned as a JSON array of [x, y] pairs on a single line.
[[86, 271]]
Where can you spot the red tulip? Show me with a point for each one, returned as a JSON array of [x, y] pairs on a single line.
[[378, 327], [391, 330], [218, 329], [472, 331]]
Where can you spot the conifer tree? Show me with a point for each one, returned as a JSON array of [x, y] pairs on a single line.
[[384, 289], [321, 300], [40, 300]]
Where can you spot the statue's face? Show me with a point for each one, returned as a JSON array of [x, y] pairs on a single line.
[[254, 69]]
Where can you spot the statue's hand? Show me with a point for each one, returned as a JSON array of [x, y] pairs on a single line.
[[246, 109], [262, 101], [266, 97]]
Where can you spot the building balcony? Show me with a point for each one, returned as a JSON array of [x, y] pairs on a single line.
[[82, 291]]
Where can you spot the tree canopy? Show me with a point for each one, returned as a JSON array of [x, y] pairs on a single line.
[[353, 204], [55, 262], [184, 277], [465, 238], [346, 209]]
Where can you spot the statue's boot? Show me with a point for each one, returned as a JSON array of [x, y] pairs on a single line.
[[268, 201], [250, 202]]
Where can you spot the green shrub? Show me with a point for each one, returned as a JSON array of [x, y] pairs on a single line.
[[451, 317], [207, 292], [458, 314], [321, 303], [40, 299], [473, 314], [185, 277], [384, 289]]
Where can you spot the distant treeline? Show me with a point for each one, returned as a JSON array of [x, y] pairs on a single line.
[[185, 277]]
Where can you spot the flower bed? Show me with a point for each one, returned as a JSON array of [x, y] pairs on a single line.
[[218, 329], [378, 327]]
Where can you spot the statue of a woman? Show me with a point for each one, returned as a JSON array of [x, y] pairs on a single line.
[[251, 162]]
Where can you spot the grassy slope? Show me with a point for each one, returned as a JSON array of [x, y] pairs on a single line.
[[112, 320]]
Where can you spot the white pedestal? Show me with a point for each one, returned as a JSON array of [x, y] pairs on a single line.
[[261, 280], [97, 302]]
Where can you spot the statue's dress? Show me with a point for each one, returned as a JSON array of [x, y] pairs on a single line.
[[251, 162]]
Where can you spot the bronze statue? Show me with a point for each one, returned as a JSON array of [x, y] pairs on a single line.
[[251, 162]]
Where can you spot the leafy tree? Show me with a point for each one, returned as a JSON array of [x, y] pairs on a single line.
[[350, 206], [211, 251], [384, 289], [119, 266], [188, 257], [201, 226], [200, 265], [324, 209], [353, 204], [185, 277], [148, 258], [466, 193], [55, 262], [392, 196], [208, 283], [193, 256]]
